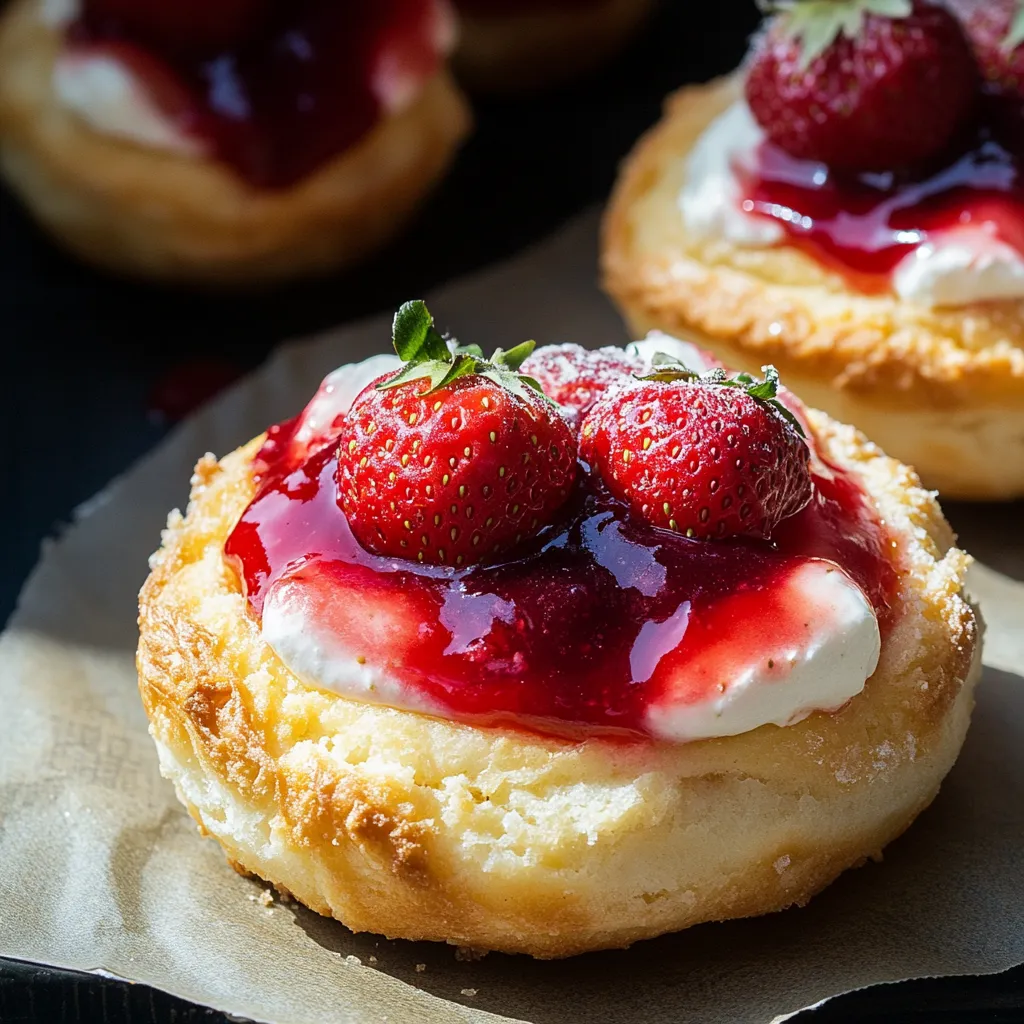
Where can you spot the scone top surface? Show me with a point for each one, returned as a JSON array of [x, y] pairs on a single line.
[[429, 550]]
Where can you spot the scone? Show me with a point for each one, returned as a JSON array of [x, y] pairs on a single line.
[[415, 661], [226, 143], [509, 46], [863, 233]]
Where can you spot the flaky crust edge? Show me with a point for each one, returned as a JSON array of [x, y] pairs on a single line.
[[149, 213], [421, 828], [778, 305]]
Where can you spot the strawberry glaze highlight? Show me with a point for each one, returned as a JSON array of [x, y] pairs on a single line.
[[864, 226], [584, 628]]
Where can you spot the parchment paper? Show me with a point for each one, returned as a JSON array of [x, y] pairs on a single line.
[[100, 868]]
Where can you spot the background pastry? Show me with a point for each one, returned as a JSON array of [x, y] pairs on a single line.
[[520, 45], [873, 253], [559, 745], [226, 143]]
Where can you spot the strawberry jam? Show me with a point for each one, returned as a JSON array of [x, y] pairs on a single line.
[[591, 624], [271, 89], [864, 226]]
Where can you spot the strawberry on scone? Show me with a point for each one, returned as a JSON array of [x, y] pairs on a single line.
[[862, 85], [455, 457], [702, 454]]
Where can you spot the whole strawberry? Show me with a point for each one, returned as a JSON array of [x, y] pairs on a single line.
[[862, 85], [703, 455], [454, 459], [995, 29], [576, 377]]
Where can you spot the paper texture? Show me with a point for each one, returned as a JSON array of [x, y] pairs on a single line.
[[102, 869]]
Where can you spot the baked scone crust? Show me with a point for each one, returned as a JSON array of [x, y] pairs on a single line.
[[942, 389], [151, 213], [421, 828], [536, 49]]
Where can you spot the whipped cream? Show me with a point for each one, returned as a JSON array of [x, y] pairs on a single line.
[[820, 646], [108, 96], [956, 267], [959, 267], [711, 198], [778, 676]]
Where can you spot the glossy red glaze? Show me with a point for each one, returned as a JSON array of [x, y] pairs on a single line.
[[305, 81], [584, 629], [863, 227]]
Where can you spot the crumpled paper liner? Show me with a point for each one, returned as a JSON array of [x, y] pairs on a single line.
[[103, 870]]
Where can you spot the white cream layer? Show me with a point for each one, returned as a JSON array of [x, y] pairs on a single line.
[[950, 268], [783, 680], [821, 670]]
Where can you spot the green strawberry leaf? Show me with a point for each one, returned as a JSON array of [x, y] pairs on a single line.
[[765, 390], [414, 336], [460, 366], [413, 371], [514, 357], [427, 356], [817, 24], [667, 369]]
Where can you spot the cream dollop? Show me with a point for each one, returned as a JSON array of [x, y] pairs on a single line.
[[775, 678], [957, 267], [711, 200], [779, 681], [108, 96]]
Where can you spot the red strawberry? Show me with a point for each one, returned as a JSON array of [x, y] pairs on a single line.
[[454, 459], [862, 85], [181, 26], [706, 456], [996, 31], [576, 378]]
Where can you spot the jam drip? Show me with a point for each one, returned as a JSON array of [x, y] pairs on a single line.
[[273, 89], [585, 628], [864, 226]]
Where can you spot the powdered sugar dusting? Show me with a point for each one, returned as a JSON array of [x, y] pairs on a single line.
[[576, 377]]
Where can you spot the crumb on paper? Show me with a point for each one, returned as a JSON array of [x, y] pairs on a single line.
[[353, 959], [468, 954], [470, 992], [265, 898], [420, 968]]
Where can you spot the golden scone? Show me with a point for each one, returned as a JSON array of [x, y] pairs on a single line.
[[941, 389], [509, 53], [424, 828], [153, 213]]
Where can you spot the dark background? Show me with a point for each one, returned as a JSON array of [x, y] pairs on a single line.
[[94, 371]]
